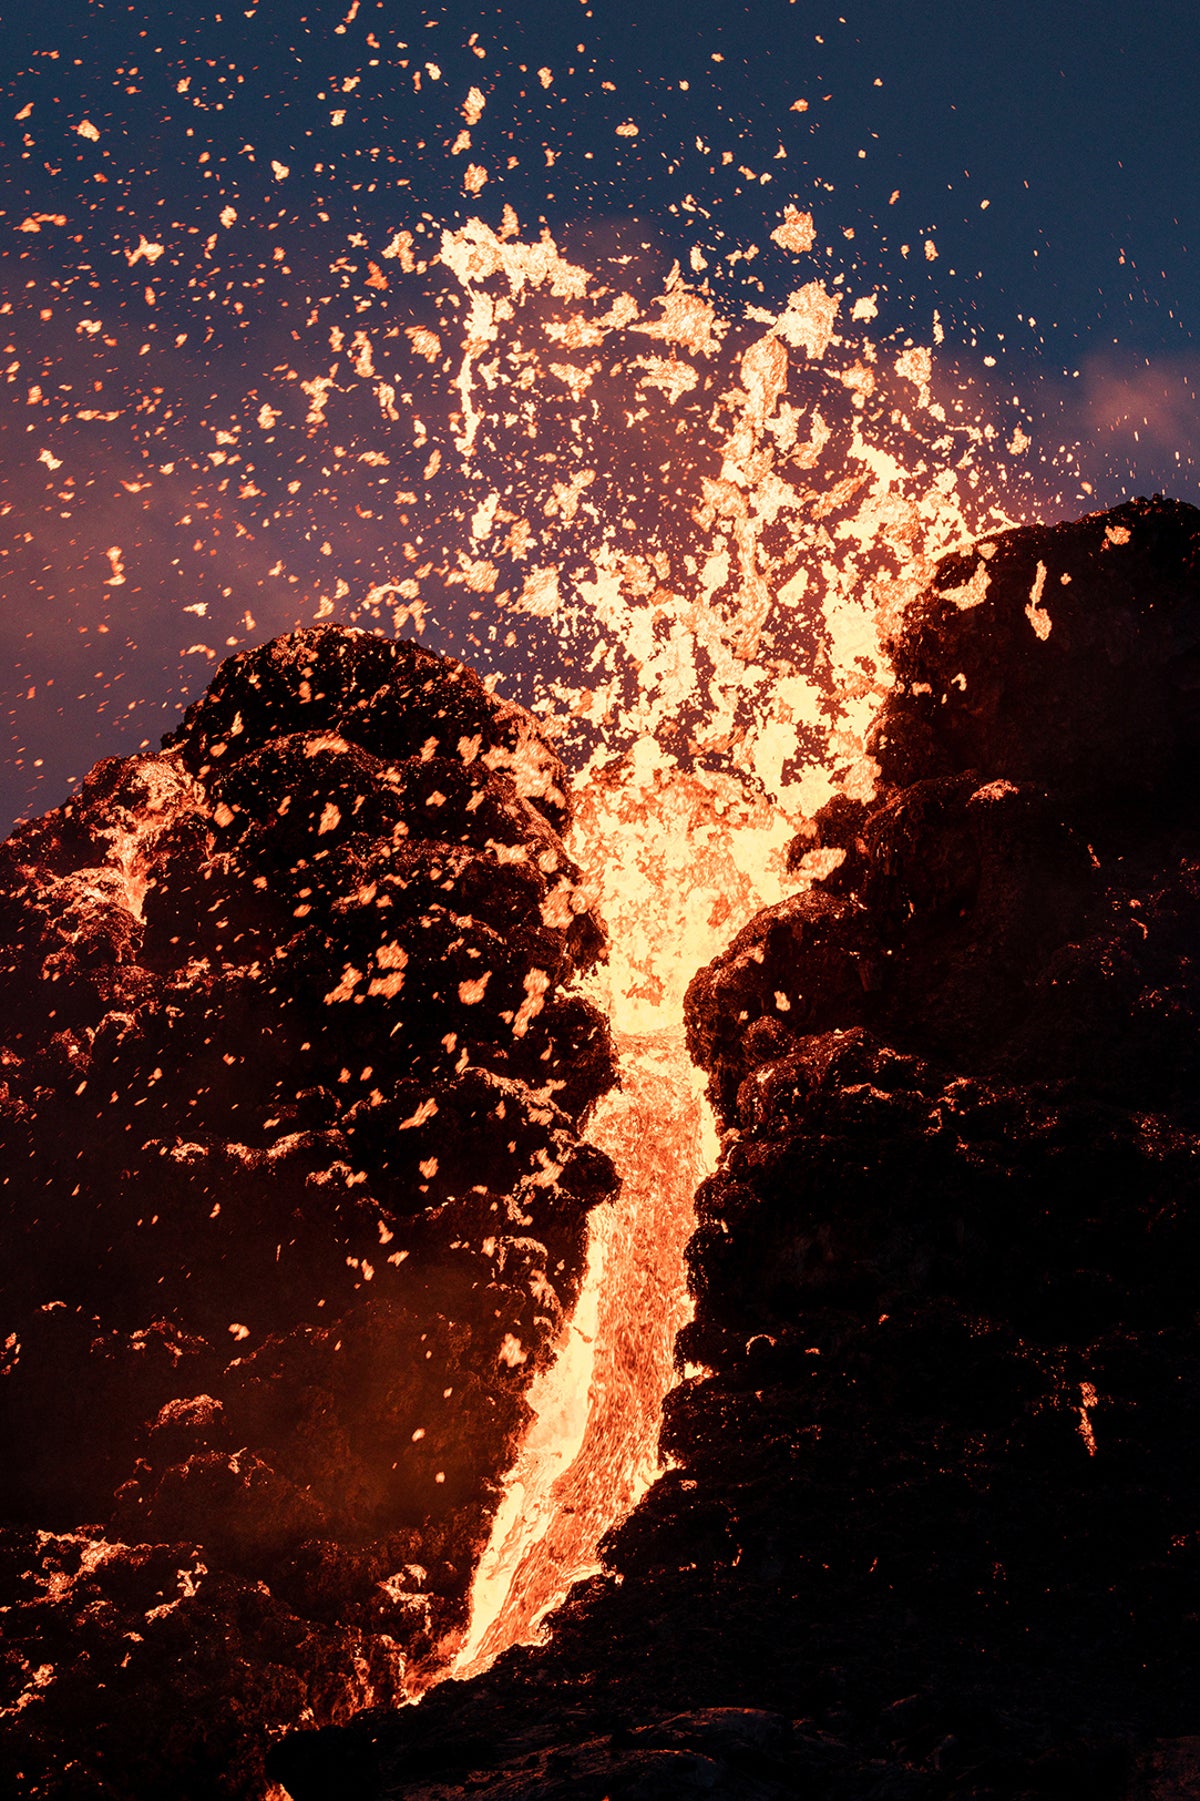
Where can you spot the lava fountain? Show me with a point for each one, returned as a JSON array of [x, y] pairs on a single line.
[[736, 631], [675, 520], [678, 529]]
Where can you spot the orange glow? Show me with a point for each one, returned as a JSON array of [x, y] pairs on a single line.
[[729, 606], [591, 1451], [681, 527]]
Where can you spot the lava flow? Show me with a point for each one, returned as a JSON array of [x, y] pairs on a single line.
[[591, 1451], [680, 860]]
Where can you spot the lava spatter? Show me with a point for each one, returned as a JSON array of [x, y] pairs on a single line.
[[328, 955], [681, 531]]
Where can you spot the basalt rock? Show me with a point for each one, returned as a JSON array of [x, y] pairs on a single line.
[[928, 1530], [295, 1198]]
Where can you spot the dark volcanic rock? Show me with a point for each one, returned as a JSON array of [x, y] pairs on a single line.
[[295, 1202], [929, 1530]]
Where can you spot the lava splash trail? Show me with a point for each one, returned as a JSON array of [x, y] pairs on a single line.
[[591, 1452]]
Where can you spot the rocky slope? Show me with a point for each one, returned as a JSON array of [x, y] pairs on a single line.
[[930, 1525], [294, 1203]]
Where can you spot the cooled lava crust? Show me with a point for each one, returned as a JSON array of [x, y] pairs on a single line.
[[294, 1204], [930, 1525]]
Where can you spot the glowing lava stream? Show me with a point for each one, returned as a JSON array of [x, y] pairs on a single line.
[[592, 1449]]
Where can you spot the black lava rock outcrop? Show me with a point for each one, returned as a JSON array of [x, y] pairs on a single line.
[[295, 1203], [929, 1529]]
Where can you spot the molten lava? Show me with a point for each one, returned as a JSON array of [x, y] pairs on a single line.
[[679, 529], [722, 611], [591, 1452]]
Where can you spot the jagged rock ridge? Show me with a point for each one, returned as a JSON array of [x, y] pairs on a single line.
[[294, 1200], [929, 1529]]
